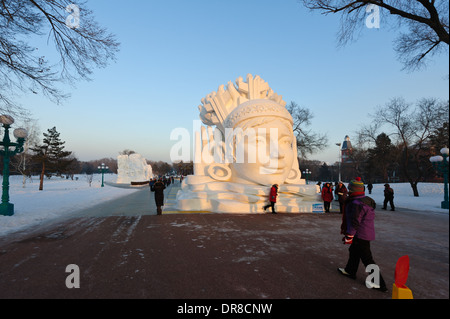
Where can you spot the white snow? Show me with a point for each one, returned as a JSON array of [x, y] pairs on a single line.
[[60, 197], [430, 196]]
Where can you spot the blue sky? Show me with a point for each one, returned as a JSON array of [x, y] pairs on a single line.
[[174, 53]]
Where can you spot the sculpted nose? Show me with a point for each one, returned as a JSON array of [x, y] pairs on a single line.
[[276, 151]]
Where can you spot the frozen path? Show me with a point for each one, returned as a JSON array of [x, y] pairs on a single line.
[[202, 256], [139, 203]]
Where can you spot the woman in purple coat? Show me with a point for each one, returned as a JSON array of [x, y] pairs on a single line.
[[359, 230]]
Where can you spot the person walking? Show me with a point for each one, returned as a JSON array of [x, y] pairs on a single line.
[[272, 198], [358, 228], [342, 193], [388, 197], [327, 196], [151, 183], [370, 187], [158, 188]]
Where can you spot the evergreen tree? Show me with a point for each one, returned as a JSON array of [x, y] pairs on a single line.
[[324, 172], [51, 155], [440, 138], [382, 156]]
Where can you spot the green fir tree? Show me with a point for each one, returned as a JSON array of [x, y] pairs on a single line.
[[51, 155]]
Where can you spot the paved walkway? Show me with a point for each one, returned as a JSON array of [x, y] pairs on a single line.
[[124, 251], [140, 203]]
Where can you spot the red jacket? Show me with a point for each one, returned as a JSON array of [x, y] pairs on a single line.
[[327, 194], [273, 194]]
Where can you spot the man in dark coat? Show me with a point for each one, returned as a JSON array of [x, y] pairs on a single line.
[[158, 188], [370, 187], [342, 193], [388, 197]]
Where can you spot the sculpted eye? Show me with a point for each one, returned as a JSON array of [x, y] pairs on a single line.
[[286, 141], [261, 140]]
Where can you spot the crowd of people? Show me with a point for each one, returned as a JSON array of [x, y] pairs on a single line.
[[329, 192], [339, 193]]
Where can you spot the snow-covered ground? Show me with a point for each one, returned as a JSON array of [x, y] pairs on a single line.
[[61, 196], [430, 196]]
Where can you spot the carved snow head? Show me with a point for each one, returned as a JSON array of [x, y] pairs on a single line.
[[259, 145]]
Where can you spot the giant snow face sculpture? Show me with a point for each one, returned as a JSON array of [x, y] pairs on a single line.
[[251, 148]]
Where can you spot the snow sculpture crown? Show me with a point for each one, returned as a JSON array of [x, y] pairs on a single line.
[[226, 107]]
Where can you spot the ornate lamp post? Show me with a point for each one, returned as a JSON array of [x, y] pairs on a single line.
[[307, 173], [340, 160], [440, 163], [103, 169], [6, 208]]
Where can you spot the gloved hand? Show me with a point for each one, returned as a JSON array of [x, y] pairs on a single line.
[[348, 239]]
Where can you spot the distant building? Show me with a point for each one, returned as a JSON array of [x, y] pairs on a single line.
[[346, 150]]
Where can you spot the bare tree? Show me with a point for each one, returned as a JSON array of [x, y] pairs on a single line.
[[426, 23], [308, 142], [79, 41]]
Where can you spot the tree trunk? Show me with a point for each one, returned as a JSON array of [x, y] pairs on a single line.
[[414, 188], [41, 183]]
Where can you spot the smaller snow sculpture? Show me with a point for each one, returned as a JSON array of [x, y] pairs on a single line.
[[133, 168]]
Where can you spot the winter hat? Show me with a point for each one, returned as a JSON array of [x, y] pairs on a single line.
[[356, 186]]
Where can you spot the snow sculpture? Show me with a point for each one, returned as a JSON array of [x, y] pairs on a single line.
[[251, 148], [133, 168]]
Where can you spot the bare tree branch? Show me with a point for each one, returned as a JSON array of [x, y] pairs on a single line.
[[308, 142], [80, 49], [427, 23]]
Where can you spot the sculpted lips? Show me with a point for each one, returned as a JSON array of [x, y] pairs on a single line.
[[271, 170]]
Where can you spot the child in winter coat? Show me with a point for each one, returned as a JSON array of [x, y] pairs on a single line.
[[359, 230]]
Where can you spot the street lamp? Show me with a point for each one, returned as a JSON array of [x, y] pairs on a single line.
[[440, 163], [6, 208], [340, 160], [307, 173], [103, 169]]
